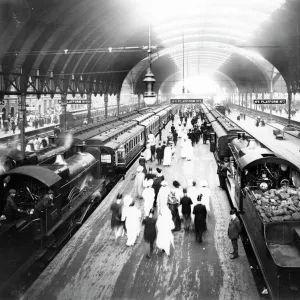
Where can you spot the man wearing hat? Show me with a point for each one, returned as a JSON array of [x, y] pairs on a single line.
[[234, 230], [150, 231], [11, 210], [45, 203], [157, 183]]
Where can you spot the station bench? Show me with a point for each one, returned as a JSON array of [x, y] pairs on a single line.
[[278, 133]]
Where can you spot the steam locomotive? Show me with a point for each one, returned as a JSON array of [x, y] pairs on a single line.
[[79, 181], [264, 187]]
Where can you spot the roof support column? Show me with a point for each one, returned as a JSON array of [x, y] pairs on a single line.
[[64, 111], [105, 105], [239, 99], [139, 101], [290, 94], [246, 100], [22, 119], [89, 107], [118, 104], [242, 100], [251, 94]]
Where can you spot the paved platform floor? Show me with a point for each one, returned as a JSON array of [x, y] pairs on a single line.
[[289, 147], [95, 266]]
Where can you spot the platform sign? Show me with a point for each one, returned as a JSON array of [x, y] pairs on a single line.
[[270, 101], [186, 101], [75, 102]]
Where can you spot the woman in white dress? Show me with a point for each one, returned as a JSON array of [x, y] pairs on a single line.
[[205, 191], [148, 196], [139, 181], [184, 147], [193, 193], [132, 217], [162, 197], [167, 156], [179, 131], [147, 152], [189, 150], [164, 226]]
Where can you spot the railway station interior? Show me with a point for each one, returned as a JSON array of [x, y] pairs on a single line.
[[149, 149]]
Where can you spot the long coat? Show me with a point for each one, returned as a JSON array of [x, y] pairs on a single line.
[[150, 229], [200, 216], [157, 183], [116, 216], [234, 229], [159, 153], [138, 184]]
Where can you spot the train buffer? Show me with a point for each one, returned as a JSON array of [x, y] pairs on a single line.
[[278, 133]]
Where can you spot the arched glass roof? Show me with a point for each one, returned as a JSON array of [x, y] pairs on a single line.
[[205, 36]]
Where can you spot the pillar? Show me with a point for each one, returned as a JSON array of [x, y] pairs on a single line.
[[271, 105], [64, 111], [105, 105], [239, 99], [246, 100], [89, 107], [251, 94], [290, 94], [139, 101], [118, 104], [242, 99], [22, 120]]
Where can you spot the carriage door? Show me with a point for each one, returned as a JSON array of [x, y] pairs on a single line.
[[120, 161]]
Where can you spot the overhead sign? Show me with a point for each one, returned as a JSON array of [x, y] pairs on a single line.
[[186, 101], [270, 101], [75, 102]]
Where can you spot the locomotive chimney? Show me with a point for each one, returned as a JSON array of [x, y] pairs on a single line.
[[81, 147], [60, 160], [51, 139], [243, 135]]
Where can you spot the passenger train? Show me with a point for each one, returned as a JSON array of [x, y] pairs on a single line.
[[79, 178], [264, 187]]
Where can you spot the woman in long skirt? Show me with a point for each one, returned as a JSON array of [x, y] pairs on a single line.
[[116, 217], [147, 153], [139, 181], [148, 196], [189, 150], [131, 215], [164, 226], [167, 156]]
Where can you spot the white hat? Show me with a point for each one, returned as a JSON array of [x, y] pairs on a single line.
[[164, 183], [149, 182], [127, 200], [140, 168], [203, 183]]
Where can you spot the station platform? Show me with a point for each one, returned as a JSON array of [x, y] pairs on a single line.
[[29, 131], [288, 148], [95, 266]]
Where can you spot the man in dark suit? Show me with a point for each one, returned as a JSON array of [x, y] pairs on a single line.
[[150, 231], [234, 230], [157, 184], [159, 153], [175, 137], [11, 210], [200, 219]]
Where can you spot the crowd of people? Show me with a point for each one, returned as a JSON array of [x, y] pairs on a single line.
[[166, 208], [11, 123]]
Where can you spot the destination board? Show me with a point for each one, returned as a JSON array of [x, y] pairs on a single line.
[[75, 102], [270, 101], [186, 101]]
